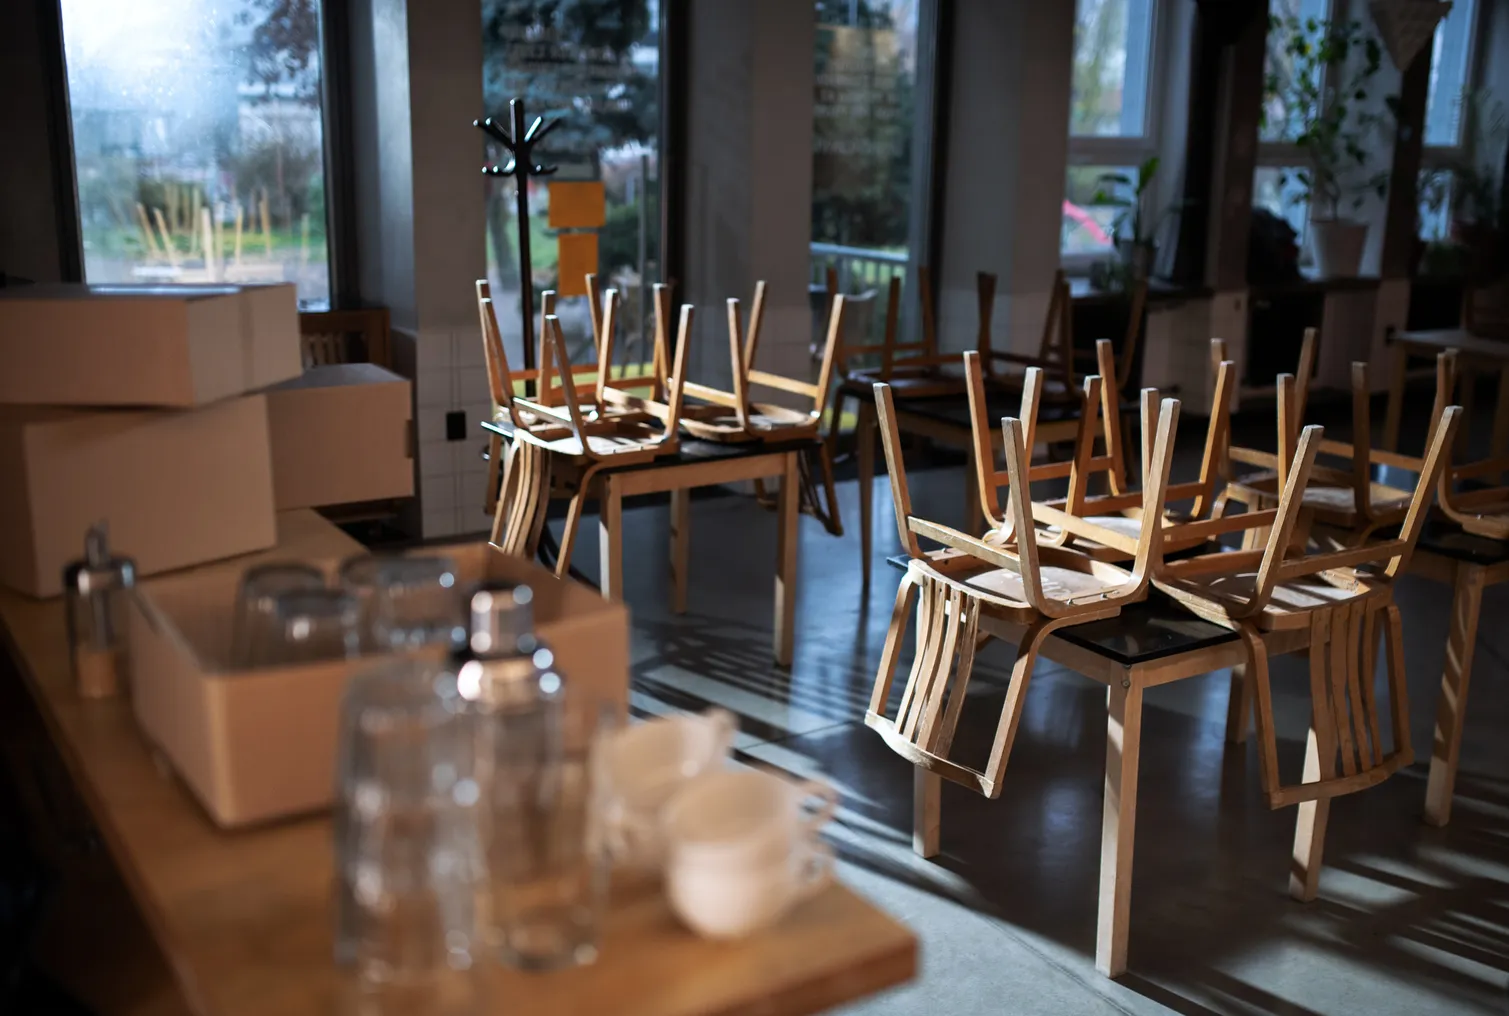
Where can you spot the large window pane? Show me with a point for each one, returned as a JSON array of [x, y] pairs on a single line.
[[198, 141], [1448, 75], [1278, 190], [595, 66], [866, 76], [1280, 121], [1112, 43]]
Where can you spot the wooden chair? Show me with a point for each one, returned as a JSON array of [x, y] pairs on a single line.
[[1346, 502], [1339, 597], [1111, 524], [1479, 510], [1040, 588], [1137, 305], [545, 437], [346, 336]]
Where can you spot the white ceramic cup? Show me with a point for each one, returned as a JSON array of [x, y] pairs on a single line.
[[646, 764], [741, 849], [724, 901]]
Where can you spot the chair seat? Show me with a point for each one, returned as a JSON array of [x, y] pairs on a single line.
[[1218, 597], [717, 423], [1343, 500], [1059, 583]]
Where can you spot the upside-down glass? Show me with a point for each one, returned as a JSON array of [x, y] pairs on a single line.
[[407, 602], [408, 855], [309, 626], [256, 600]]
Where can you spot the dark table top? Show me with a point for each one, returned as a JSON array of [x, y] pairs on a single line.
[[1143, 632], [1447, 540]]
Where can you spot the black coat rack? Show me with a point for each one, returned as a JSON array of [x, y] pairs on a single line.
[[520, 145]]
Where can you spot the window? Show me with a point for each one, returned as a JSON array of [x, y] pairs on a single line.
[[1275, 185], [198, 141], [864, 170], [594, 65], [1112, 129], [1465, 132]]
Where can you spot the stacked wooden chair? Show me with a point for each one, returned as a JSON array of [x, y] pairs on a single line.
[[974, 588], [735, 417], [1334, 601], [1344, 500], [1465, 498], [1117, 516], [558, 438]]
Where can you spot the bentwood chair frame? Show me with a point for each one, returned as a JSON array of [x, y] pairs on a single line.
[[1116, 517], [1483, 511], [546, 437], [972, 579], [1340, 596]]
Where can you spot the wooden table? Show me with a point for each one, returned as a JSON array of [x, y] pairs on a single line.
[[1474, 352], [701, 463], [1469, 564], [1150, 643], [244, 920]]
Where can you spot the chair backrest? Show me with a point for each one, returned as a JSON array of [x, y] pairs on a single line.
[[743, 344], [1024, 558], [346, 336]]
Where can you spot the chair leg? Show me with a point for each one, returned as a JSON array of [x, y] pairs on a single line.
[[494, 473], [927, 802], [1451, 706], [574, 522], [1238, 706], [681, 542], [1320, 764]]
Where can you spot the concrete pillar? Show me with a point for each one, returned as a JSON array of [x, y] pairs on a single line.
[[1008, 129], [417, 85], [749, 179]]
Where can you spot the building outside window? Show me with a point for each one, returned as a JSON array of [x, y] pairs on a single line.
[[1112, 126], [199, 142], [865, 122], [596, 67]]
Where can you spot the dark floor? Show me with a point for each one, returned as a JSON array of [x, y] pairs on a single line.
[[1410, 919]]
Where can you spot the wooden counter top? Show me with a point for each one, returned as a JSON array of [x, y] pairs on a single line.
[[243, 918]]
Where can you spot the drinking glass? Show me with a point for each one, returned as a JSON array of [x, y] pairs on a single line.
[[408, 854], [309, 626], [546, 859], [256, 600], [407, 602]]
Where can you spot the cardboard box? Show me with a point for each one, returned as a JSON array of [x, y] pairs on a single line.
[[339, 434], [177, 488], [177, 346], [257, 745]]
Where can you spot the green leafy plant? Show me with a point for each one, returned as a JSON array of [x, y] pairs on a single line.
[[1317, 95], [1118, 190]]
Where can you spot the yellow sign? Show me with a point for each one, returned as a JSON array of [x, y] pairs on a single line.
[[577, 205], [577, 256]]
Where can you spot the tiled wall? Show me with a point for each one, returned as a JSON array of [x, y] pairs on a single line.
[[451, 376]]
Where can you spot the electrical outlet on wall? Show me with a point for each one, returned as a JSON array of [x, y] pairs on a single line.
[[455, 425]]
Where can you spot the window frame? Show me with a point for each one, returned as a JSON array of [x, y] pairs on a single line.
[[1122, 150], [1438, 157]]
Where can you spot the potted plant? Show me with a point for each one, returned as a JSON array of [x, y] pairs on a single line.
[[1319, 93], [1118, 190]]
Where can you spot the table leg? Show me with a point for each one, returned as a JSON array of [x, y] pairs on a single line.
[[864, 453], [1238, 705], [927, 802], [1467, 396], [1118, 826], [610, 546], [681, 543], [1395, 398], [787, 537], [1451, 708]]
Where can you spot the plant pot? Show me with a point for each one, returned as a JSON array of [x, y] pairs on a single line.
[[1337, 246]]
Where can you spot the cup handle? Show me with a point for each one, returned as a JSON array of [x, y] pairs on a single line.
[[725, 725], [630, 838], [817, 870], [827, 794]]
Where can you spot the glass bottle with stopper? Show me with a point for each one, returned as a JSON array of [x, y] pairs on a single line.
[[98, 588]]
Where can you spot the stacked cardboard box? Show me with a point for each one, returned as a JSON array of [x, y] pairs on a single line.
[[182, 416]]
